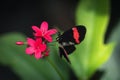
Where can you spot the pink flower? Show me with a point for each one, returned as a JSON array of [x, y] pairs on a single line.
[[36, 47], [43, 31]]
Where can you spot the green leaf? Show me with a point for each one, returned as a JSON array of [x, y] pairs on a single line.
[[27, 67], [92, 52], [112, 67]]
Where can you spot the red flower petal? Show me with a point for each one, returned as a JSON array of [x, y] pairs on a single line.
[[43, 47], [51, 32], [48, 38], [30, 42], [29, 50], [44, 27], [38, 54], [37, 30], [38, 41]]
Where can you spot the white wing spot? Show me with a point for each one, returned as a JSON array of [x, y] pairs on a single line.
[[67, 44]]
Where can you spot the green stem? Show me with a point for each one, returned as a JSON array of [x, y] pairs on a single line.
[[56, 69]]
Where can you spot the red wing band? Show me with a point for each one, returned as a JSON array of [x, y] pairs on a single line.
[[76, 35]]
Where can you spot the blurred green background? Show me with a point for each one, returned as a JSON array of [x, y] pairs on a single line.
[[19, 16]]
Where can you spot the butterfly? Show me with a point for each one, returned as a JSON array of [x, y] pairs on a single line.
[[69, 39]]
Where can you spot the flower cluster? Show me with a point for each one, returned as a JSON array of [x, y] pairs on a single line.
[[37, 46]]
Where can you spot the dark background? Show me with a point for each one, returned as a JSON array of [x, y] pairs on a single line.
[[20, 15]]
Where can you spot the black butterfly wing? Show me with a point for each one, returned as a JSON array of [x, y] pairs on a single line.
[[69, 49], [67, 36], [82, 31], [65, 50]]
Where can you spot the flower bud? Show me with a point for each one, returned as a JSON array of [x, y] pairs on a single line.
[[19, 43]]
